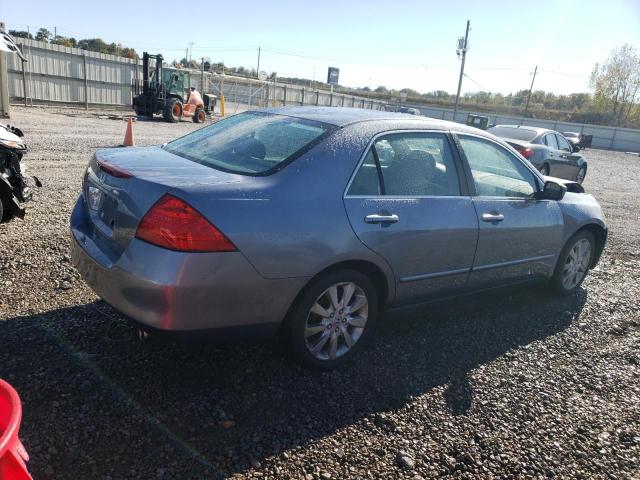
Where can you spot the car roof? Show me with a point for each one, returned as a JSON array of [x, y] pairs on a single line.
[[538, 130], [342, 116]]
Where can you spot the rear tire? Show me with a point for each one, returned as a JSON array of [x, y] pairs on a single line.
[[332, 320], [544, 169], [172, 110], [200, 116], [2, 209], [574, 263]]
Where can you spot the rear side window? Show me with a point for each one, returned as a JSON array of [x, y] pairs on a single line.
[[251, 143], [514, 133], [410, 164], [366, 180]]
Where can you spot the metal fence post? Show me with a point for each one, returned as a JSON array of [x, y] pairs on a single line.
[[86, 82], [302, 101], [613, 138], [317, 97], [24, 79], [284, 96]]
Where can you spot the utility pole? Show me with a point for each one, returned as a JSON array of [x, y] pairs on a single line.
[[462, 49], [526, 108], [258, 69], [190, 50]]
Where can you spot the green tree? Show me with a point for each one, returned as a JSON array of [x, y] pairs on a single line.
[[67, 42], [20, 34], [43, 35]]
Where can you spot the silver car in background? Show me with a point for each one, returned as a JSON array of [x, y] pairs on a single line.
[[549, 151], [312, 221]]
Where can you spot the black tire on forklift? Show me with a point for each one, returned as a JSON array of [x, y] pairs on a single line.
[[199, 116], [1, 209], [172, 110]]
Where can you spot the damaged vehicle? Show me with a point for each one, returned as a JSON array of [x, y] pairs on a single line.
[[309, 222], [16, 188]]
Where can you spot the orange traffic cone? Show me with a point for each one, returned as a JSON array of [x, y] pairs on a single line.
[[128, 135]]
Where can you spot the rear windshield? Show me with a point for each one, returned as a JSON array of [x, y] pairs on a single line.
[[250, 143], [514, 133]]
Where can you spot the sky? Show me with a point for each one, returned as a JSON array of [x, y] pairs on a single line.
[[397, 44]]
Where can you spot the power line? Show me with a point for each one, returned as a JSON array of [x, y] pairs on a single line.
[[481, 86]]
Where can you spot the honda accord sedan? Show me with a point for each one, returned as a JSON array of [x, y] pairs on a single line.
[[310, 222], [549, 151]]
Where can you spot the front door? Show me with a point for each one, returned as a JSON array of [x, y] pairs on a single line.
[[519, 236], [569, 162], [406, 203]]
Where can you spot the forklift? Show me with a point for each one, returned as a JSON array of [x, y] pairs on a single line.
[[163, 92]]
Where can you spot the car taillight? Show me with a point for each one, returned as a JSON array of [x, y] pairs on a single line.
[[112, 170], [526, 152], [174, 224]]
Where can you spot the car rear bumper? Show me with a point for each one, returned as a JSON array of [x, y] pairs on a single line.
[[176, 291]]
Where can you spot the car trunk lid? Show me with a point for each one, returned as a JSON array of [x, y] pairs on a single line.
[[121, 185]]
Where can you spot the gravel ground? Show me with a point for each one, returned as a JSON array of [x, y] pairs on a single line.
[[512, 384]]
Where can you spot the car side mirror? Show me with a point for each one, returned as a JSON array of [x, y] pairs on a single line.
[[576, 148], [551, 191]]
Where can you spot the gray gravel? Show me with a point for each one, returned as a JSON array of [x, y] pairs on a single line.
[[512, 384]]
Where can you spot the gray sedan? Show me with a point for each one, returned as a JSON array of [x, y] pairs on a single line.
[[310, 222], [549, 151]]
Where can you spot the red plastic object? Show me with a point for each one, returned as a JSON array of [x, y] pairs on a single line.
[[12, 452]]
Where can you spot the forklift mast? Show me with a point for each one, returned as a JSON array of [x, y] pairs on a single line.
[[145, 73]]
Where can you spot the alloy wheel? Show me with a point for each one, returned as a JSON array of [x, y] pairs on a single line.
[[577, 264], [336, 321]]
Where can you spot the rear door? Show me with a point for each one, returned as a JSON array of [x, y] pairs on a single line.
[[519, 236], [554, 159], [407, 203]]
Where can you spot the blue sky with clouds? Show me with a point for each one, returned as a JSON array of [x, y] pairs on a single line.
[[397, 44]]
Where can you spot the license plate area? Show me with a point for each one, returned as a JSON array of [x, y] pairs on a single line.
[[102, 209]]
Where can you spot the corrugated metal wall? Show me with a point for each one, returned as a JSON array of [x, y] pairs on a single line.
[[56, 74]]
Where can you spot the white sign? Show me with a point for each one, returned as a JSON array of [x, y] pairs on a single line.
[[262, 75]]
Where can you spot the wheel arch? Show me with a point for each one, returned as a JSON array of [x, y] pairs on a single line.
[[600, 235], [370, 269]]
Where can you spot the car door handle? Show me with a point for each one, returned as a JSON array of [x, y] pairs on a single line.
[[492, 217], [375, 218]]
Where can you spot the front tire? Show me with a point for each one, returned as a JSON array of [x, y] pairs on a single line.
[[582, 173], [574, 263], [199, 116], [172, 110], [332, 320]]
